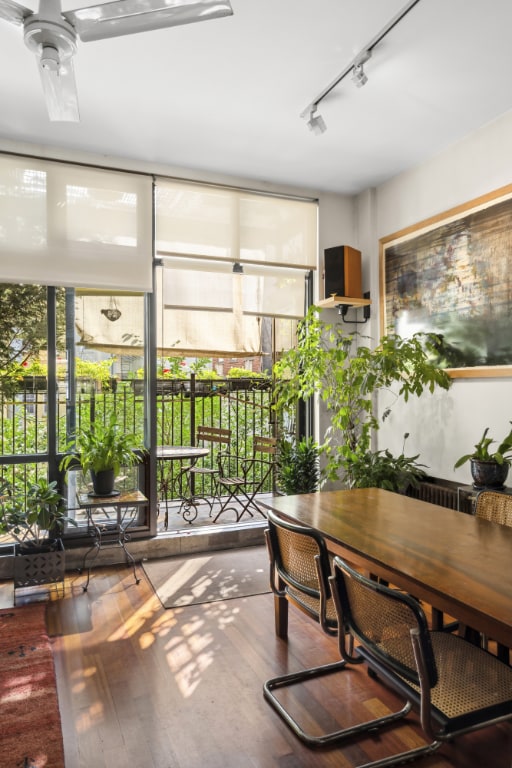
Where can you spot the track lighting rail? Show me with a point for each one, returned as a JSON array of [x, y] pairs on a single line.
[[354, 66]]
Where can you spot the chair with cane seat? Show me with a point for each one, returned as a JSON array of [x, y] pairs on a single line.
[[497, 508], [299, 575], [494, 506], [455, 686]]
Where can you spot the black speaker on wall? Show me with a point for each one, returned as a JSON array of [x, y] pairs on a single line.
[[342, 272]]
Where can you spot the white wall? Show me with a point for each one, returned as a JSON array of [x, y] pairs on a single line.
[[446, 425]]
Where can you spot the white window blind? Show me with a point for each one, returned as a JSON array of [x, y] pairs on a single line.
[[193, 283], [235, 225], [201, 232], [68, 225]]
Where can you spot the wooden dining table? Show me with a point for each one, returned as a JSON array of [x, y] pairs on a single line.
[[457, 563]]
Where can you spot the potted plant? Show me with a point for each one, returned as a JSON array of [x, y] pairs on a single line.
[[346, 374], [489, 469], [297, 466], [380, 469], [102, 449], [35, 522]]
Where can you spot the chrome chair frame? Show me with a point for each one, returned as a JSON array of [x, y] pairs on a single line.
[[496, 507], [456, 686], [299, 573]]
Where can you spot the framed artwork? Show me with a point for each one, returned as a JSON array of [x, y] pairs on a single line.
[[452, 275]]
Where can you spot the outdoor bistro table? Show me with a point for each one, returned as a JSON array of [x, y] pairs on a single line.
[[190, 453], [108, 531]]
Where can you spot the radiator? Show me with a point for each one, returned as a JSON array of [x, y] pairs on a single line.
[[444, 496]]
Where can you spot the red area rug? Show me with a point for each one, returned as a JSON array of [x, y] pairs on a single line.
[[30, 734]]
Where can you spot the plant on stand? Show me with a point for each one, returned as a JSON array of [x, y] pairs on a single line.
[[102, 449], [346, 375]]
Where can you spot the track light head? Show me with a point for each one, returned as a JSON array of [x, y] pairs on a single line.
[[316, 123], [359, 77]]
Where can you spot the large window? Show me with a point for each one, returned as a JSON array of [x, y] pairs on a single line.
[[55, 378]]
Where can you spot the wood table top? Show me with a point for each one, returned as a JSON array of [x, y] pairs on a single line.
[[458, 563]]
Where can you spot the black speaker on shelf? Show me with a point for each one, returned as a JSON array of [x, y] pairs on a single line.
[[342, 272]]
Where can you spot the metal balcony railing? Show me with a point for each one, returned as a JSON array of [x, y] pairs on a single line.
[[181, 405]]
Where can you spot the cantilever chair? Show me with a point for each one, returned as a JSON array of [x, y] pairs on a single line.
[[497, 508], [494, 506], [299, 575], [456, 686], [243, 478], [211, 437]]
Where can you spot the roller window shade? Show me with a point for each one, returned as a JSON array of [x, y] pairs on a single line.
[[69, 225], [235, 225], [260, 290]]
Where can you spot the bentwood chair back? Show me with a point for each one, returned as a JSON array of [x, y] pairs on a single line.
[[456, 686], [299, 575]]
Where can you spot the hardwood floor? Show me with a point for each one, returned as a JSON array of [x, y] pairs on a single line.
[[146, 687]]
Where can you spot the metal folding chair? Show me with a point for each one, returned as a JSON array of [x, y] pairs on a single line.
[[243, 478], [201, 470]]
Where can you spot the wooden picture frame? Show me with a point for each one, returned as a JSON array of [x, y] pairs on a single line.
[[452, 274]]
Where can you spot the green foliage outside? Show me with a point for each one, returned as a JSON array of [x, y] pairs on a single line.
[[347, 374], [244, 373]]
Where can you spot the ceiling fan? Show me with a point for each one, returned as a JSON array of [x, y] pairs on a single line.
[[52, 34]]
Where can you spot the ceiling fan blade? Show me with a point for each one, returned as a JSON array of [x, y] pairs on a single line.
[[14, 12], [125, 17], [60, 92]]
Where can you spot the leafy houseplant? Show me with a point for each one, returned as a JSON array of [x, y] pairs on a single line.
[[489, 469], [380, 469], [34, 520], [297, 466], [102, 449], [346, 375]]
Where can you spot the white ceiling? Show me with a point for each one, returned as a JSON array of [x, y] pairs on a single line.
[[225, 96]]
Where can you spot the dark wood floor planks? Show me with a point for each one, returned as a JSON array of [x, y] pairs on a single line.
[[153, 688]]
